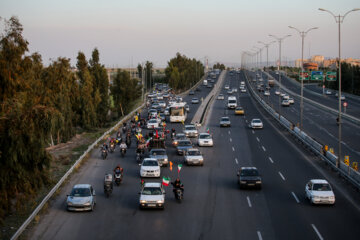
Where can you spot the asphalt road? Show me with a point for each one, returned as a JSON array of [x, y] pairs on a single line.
[[213, 207], [318, 123]]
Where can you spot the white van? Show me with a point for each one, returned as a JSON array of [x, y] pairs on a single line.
[[232, 103]]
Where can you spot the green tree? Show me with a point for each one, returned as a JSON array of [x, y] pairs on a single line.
[[140, 69], [148, 74]]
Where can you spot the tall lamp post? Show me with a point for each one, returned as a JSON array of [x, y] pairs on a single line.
[[260, 51], [339, 19], [267, 51], [279, 66], [302, 35]]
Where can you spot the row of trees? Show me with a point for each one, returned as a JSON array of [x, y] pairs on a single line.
[[182, 72], [41, 106], [219, 66]]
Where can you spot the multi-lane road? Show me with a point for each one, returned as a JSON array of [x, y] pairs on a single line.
[[214, 207]]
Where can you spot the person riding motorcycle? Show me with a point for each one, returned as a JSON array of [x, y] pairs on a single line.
[[117, 169], [173, 133], [105, 147], [177, 184], [123, 146]]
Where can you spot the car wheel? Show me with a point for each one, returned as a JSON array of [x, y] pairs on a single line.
[[92, 207]]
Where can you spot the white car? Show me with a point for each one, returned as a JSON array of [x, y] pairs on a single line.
[[285, 103], [150, 168], [227, 87], [162, 104], [220, 96], [152, 123], [256, 123], [342, 96], [205, 140], [152, 195], [286, 97], [277, 92], [291, 100], [190, 131], [282, 94], [194, 100], [319, 191], [234, 89], [81, 198], [193, 157], [243, 90], [266, 93]]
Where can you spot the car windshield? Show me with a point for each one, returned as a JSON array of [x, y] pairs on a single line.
[[194, 99], [190, 128], [205, 136], [321, 187], [225, 119], [238, 108], [80, 192], [184, 143], [256, 121], [193, 153], [249, 172], [150, 163], [158, 152], [232, 101], [151, 191]]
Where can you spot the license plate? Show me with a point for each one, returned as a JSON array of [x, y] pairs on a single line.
[[152, 205], [206, 142], [251, 184]]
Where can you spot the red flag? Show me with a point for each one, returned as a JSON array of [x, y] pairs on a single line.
[[157, 134]]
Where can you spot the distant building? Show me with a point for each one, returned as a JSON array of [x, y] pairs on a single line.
[[310, 66]]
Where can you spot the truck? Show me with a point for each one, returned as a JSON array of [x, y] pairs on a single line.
[[232, 103], [271, 82], [205, 82]]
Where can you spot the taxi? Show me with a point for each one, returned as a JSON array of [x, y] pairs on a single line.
[[239, 111]]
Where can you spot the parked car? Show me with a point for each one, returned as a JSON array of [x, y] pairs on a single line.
[[160, 155], [81, 198], [150, 168], [256, 123], [183, 146], [193, 157], [190, 130], [249, 177], [205, 139], [152, 195], [319, 191], [225, 122]]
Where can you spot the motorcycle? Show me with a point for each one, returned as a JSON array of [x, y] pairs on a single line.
[[107, 189], [118, 178], [138, 157], [124, 129], [112, 147], [179, 195], [128, 141], [123, 152], [103, 154], [173, 135]]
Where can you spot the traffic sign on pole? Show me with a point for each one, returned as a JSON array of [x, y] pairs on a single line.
[[331, 76], [304, 75], [317, 75]]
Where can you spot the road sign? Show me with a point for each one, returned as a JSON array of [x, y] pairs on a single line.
[[317, 75], [345, 104], [355, 166], [304, 75], [331, 76], [346, 160]]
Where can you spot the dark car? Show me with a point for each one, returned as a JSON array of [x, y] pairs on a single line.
[[249, 177], [183, 146], [191, 93]]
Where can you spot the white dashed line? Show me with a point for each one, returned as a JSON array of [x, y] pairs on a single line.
[[230, 140], [271, 160], [233, 149], [282, 176], [229, 132], [296, 198], [246, 121], [317, 232], [263, 148], [253, 131], [236, 161], [249, 202], [259, 235], [257, 139]]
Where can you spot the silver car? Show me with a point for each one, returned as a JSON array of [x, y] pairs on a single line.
[[225, 122], [160, 155], [193, 157], [190, 131], [81, 198]]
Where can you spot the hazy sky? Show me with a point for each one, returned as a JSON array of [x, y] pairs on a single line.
[[127, 32]]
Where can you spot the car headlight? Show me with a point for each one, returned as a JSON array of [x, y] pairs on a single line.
[[142, 201], [87, 203], [316, 197], [160, 201], [69, 203], [332, 197], [258, 181], [242, 181]]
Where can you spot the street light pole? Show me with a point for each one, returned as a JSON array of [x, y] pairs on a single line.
[[302, 35], [339, 19], [279, 40], [267, 51]]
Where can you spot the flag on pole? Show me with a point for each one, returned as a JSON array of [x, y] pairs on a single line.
[[166, 181], [208, 130], [171, 164], [179, 167]]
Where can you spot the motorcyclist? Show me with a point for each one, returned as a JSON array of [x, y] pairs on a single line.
[[123, 146], [177, 184], [105, 147], [117, 169], [173, 132]]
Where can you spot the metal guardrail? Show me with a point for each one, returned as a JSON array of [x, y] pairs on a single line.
[[345, 171]]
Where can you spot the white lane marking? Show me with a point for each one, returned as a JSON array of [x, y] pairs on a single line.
[[282, 176], [230, 140], [317, 232], [259, 235], [271, 160], [257, 139], [246, 121], [229, 132], [263, 148], [296, 198], [236, 161], [249, 202], [233, 149], [253, 131]]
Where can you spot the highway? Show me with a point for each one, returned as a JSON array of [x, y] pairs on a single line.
[[213, 207], [318, 123]]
